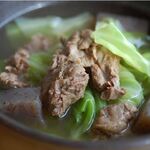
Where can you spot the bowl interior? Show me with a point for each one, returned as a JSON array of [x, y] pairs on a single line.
[[67, 9]]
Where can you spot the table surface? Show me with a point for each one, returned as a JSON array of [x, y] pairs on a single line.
[[10, 139]]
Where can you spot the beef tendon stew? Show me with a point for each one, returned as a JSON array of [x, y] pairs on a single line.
[[84, 77]]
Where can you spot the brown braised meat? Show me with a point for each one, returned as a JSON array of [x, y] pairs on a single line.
[[19, 61], [105, 75], [103, 64], [79, 48], [38, 42], [114, 118], [11, 80], [67, 79], [17, 65], [64, 84]]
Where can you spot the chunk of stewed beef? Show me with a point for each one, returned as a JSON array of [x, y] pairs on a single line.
[[18, 64], [114, 118], [103, 64], [105, 75], [19, 61], [64, 84], [38, 42], [78, 48], [11, 80]]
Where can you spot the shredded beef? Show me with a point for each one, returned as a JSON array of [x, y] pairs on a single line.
[[64, 84], [105, 75], [78, 48], [103, 64], [17, 65], [11, 80], [114, 118]]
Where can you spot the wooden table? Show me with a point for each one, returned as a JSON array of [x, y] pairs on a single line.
[[12, 140]]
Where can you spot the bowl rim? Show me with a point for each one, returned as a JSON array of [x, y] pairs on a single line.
[[132, 142], [122, 143]]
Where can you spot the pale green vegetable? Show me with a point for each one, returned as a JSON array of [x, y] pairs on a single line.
[[84, 113], [53, 27], [144, 49], [141, 77], [99, 103], [134, 91], [85, 110], [146, 81], [38, 66], [146, 86], [15, 36], [109, 36], [147, 55], [32, 26], [136, 38]]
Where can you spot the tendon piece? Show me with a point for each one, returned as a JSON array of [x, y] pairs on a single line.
[[114, 118], [22, 103], [64, 84], [78, 48]]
